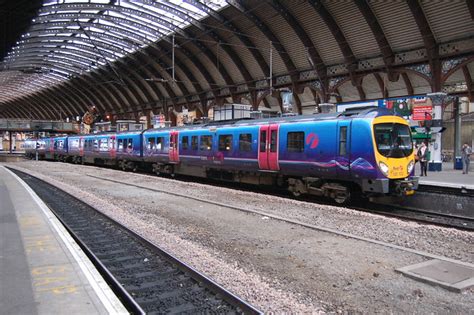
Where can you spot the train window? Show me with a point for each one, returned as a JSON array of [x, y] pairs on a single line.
[[130, 144], [96, 144], [185, 142], [393, 140], [194, 142], [273, 141], [263, 141], [160, 142], [103, 145], [343, 141], [295, 142], [206, 143], [245, 142], [151, 144], [106, 144], [75, 143], [225, 142], [120, 145]]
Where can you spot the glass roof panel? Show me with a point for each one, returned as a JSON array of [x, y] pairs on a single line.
[[99, 31]]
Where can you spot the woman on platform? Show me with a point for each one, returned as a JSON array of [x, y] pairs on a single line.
[[423, 158]]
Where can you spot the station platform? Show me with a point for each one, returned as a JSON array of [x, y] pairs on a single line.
[[42, 269], [448, 177]]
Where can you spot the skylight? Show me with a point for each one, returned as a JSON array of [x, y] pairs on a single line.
[[94, 30]]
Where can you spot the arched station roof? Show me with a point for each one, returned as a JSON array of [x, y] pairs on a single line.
[[130, 56]]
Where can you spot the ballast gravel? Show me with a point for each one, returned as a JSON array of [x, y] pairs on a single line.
[[276, 266]]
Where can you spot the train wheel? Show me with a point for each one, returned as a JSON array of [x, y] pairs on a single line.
[[297, 187], [343, 197], [296, 193]]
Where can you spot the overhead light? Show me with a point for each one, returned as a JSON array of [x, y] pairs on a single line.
[[156, 79]]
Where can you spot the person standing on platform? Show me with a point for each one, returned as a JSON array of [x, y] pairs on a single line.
[[423, 158], [466, 152]]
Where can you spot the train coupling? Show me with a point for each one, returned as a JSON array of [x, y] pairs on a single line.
[[406, 187]]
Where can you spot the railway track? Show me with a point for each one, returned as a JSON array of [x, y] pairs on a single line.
[[464, 192], [421, 216], [146, 278], [412, 214]]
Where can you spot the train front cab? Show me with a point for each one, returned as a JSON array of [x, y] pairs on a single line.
[[394, 155]]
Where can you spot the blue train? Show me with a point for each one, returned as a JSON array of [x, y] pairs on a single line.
[[365, 152]]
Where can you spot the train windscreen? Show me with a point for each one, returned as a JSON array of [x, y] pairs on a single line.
[[393, 140]]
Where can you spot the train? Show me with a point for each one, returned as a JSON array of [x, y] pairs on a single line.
[[364, 152]]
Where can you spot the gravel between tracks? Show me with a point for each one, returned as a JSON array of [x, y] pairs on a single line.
[[253, 266]]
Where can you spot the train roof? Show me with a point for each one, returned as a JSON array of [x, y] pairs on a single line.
[[359, 112]]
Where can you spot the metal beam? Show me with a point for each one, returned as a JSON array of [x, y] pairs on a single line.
[[470, 6], [470, 87], [382, 42], [408, 84], [235, 30], [274, 41], [349, 57], [430, 43], [316, 60], [381, 83]]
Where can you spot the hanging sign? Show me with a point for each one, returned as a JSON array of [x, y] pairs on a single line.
[[422, 113]]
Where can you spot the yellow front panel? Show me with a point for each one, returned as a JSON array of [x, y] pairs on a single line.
[[398, 167]]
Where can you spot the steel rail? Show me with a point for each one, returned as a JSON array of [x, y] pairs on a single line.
[[118, 288], [440, 219]]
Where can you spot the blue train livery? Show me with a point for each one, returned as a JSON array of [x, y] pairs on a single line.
[[364, 152]]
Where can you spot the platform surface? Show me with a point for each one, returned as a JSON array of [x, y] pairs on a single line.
[[42, 269], [448, 177]]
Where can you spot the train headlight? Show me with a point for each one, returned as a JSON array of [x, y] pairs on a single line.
[[384, 168], [410, 167]]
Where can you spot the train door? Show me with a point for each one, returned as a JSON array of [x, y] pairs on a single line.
[[268, 147], [173, 150], [112, 149], [81, 146], [343, 158]]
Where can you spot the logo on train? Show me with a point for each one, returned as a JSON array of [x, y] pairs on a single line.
[[312, 140]]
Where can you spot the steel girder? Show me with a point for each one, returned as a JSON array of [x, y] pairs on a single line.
[[469, 83], [384, 46], [312, 51], [470, 5], [275, 42], [336, 31], [227, 23], [430, 43], [408, 84], [263, 27]]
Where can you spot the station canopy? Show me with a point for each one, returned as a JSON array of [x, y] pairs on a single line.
[[68, 38], [59, 58]]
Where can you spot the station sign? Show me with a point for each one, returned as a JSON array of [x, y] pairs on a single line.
[[422, 113]]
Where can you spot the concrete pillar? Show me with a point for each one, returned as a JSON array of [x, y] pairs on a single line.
[[10, 142], [457, 134], [437, 99]]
